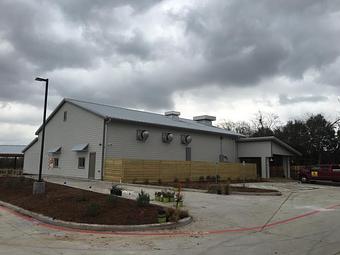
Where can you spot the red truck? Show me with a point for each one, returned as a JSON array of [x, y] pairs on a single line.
[[320, 173]]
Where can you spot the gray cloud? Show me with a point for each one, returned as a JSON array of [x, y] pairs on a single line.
[[284, 99]]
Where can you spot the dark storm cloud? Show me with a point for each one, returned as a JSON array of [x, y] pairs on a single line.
[[85, 10], [221, 43], [284, 99], [244, 41]]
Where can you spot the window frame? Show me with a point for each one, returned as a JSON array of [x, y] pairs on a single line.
[[84, 162], [55, 159]]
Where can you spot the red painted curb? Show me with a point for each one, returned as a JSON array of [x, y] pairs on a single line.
[[168, 233]]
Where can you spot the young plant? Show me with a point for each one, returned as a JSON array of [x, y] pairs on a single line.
[[82, 198], [112, 199], [92, 210], [116, 190], [143, 199]]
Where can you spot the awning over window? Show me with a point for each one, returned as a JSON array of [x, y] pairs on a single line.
[[55, 150], [80, 147]]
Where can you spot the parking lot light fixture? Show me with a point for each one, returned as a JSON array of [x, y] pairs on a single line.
[[39, 186]]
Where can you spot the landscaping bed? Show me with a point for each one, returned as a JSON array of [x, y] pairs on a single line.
[[76, 205], [222, 187]]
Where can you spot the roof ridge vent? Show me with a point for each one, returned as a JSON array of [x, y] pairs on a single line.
[[205, 119], [172, 114]]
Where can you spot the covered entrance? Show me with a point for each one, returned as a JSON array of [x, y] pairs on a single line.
[[271, 155]]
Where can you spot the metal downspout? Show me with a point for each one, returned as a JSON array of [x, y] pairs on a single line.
[[106, 121]]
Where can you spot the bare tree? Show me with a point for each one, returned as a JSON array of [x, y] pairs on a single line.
[[241, 127]]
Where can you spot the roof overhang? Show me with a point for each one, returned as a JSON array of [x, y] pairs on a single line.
[[30, 144], [55, 150], [80, 147], [270, 139]]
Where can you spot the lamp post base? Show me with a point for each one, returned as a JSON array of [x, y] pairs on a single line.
[[38, 187]]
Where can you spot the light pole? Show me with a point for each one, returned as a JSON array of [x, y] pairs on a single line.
[[39, 186]]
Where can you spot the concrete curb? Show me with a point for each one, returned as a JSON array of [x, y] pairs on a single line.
[[157, 187], [276, 193], [97, 227]]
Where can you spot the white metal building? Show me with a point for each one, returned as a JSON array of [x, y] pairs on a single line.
[[80, 135]]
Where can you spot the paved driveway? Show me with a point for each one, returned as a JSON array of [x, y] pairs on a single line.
[[304, 220]]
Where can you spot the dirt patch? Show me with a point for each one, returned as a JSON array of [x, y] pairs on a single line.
[[71, 204]]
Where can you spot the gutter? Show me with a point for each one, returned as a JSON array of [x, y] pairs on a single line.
[[106, 121]]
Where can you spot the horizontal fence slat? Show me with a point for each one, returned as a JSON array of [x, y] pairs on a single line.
[[135, 170]]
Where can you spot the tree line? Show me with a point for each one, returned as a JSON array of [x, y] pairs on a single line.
[[315, 137]]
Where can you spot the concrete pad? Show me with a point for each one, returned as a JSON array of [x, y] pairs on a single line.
[[314, 234]]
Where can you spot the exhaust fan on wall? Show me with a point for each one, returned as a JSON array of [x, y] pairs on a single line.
[[142, 135], [186, 139], [167, 137]]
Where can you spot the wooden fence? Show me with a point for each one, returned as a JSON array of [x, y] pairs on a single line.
[[6, 172], [138, 171]]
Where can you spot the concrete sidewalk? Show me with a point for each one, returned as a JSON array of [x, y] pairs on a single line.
[[314, 234]]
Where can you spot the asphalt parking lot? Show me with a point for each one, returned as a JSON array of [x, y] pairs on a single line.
[[304, 220]]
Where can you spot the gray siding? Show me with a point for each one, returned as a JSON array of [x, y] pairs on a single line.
[[81, 127], [254, 149], [31, 159], [277, 149], [122, 143]]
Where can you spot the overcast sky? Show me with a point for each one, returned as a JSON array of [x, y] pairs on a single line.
[[224, 58]]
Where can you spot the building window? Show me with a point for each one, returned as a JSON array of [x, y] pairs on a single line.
[[81, 162], [55, 162], [65, 116]]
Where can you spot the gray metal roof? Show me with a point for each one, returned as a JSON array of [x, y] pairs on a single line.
[[11, 149], [124, 114]]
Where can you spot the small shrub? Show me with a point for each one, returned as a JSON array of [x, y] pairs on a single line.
[[82, 198], [218, 178], [116, 190], [201, 179], [215, 189], [172, 215], [208, 178], [143, 199], [9, 184], [146, 181], [183, 214], [176, 180], [112, 199], [213, 178], [227, 188], [22, 179], [92, 210]]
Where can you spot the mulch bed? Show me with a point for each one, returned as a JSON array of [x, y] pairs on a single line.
[[71, 204]]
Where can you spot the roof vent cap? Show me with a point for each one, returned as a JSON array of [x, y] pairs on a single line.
[[172, 114], [205, 119]]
